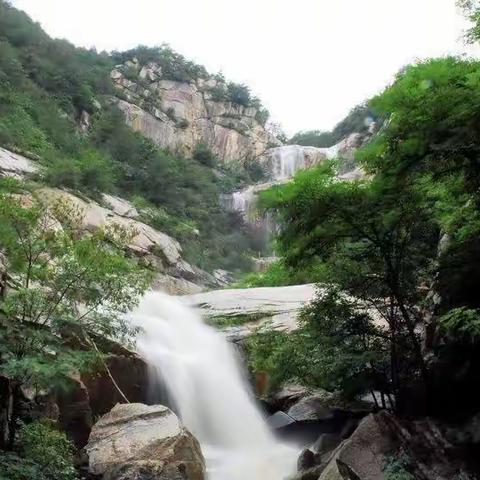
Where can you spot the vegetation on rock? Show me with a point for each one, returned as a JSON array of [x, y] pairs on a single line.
[[359, 120]]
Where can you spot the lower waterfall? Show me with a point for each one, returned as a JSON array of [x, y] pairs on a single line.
[[204, 379]]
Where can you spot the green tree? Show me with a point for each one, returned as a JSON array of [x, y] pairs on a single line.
[[336, 347], [371, 242], [377, 239], [472, 12], [67, 288]]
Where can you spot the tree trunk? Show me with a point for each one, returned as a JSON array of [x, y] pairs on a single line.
[[6, 412]]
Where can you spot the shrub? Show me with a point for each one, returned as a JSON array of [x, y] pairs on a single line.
[[62, 172], [238, 93], [13, 467], [204, 154], [96, 172], [91, 172], [44, 453], [42, 444], [263, 115], [398, 467]]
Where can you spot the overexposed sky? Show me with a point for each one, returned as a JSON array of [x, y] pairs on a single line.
[[309, 61]]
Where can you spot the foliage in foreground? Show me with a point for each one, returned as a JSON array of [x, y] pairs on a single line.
[[336, 348], [42, 453], [68, 287]]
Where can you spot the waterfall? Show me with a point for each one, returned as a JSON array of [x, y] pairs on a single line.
[[244, 201], [287, 160], [282, 164], [203, 375]]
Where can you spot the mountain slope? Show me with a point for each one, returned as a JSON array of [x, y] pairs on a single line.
[[58, 107]]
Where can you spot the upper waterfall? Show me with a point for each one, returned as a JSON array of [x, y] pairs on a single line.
[[202, 373], [282, 163], [285, 161]]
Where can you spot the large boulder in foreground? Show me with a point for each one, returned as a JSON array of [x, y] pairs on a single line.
[[139, 442]]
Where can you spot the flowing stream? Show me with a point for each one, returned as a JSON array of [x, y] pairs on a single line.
[[204, 379]]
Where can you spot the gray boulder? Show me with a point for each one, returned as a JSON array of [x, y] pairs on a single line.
[[287, 395], [313, 407], [323, 405], [363, 455], [139, 442], [326, 443]]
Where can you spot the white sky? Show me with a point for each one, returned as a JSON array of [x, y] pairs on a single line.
[[309, 61]]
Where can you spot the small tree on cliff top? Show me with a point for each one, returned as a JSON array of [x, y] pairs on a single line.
[[66, 288]]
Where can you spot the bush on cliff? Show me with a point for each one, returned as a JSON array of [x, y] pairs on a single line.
[[203, 154], [91, 172]]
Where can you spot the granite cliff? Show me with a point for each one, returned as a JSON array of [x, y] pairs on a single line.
[[179, 115]]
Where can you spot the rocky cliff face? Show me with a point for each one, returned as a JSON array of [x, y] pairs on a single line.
[[180, 115], [158, 250]]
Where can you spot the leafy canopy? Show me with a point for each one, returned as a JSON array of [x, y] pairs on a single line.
[[377, 239], [67, 286]]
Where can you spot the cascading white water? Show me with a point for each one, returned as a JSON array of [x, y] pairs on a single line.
[[287, 160], [244, 201], [203, 375], [283, 163]]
